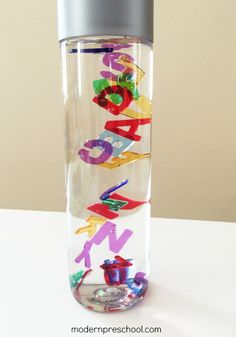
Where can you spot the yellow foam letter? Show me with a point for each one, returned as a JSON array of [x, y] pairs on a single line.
[[93, 221], [129, 157]]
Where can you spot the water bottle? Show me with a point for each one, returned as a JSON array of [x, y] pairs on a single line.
[[107, 60]]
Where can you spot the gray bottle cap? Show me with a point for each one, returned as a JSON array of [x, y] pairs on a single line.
[[105, 17]]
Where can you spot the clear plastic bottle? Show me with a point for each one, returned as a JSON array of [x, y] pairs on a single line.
[[107, 87]]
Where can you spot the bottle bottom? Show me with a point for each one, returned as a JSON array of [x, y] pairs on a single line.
[[104, 298]]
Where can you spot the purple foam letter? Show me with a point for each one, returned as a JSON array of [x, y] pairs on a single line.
[[109, 229], [104, 156], [85, 255]]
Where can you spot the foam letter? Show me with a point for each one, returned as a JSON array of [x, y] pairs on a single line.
[[128, 157], [139, 73], [99, 85], [103, 210], [144, 104], [105, 103], [105, 195], [114, 126], [114, 205], [109, 230], [104, 156], [85, 254], [131, 204], [124, 143], [116, 46], [92, 226], [111, 60]]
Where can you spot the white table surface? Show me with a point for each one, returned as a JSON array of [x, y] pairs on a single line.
[[193, 280]]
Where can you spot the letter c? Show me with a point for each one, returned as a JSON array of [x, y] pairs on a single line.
[[91, 144]]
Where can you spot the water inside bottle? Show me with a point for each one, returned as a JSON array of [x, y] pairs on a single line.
[[107, 84]]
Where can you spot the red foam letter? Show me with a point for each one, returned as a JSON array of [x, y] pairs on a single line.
[[103, 210], [131, 203], [114, 126], [105, 103]]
